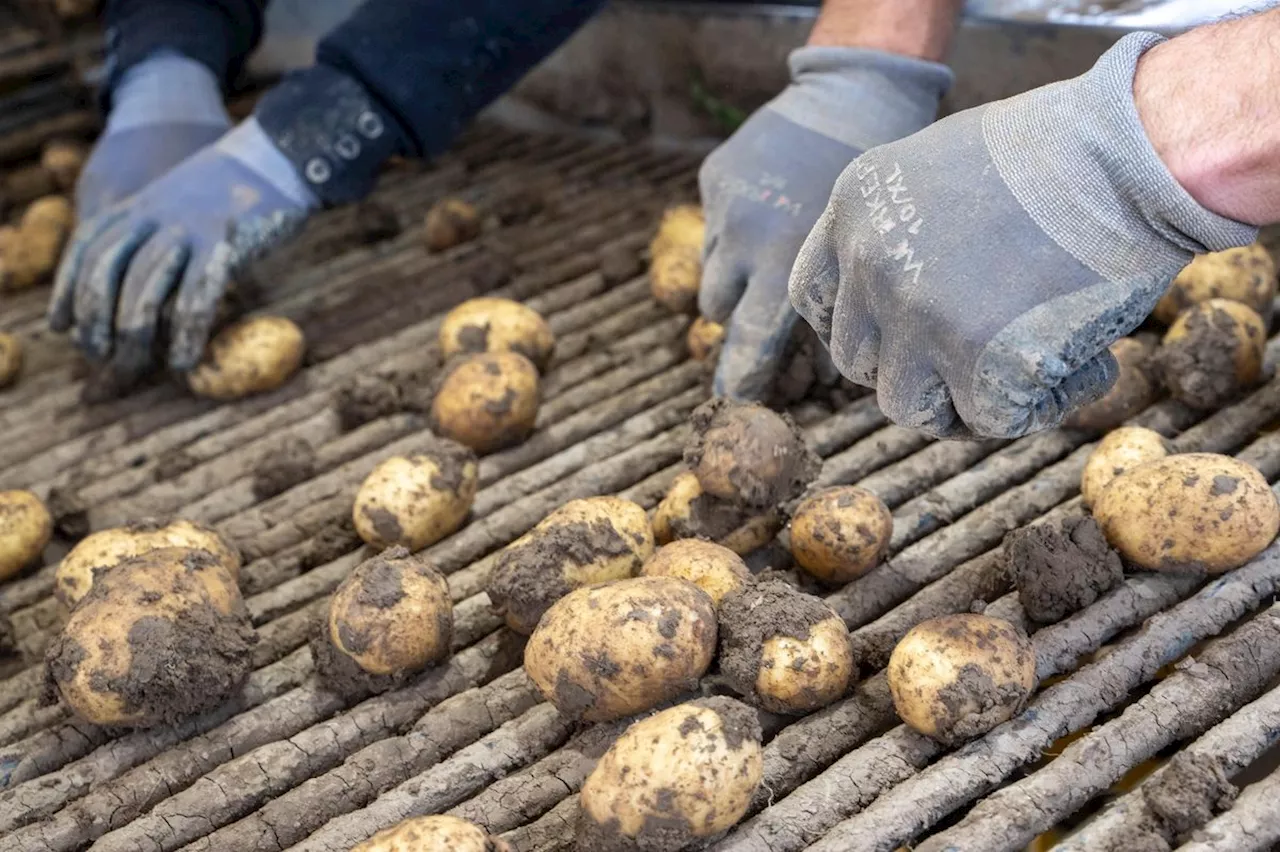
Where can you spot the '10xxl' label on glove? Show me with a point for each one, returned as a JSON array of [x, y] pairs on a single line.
[[879, 195]]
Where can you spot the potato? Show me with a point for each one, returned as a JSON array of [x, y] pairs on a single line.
[[674, 278], [29, 255], [585, 541], [63, 159], [25, 528], [105, 549], [686, 512], [715, 569], [1212, 353], [487, 401], [417, 500], [253, 356], [497, 325], [782, 649], [613, 649], [10, 358], [53, 212], [1133, 391], [160, 637], [704, 338], [681, 227], [683, 774], [1196, 512], [1246, 275], [392, 615], [839, 534], [956, 677], [450, 222], [748, 455], [1122, 449], [437, 833]]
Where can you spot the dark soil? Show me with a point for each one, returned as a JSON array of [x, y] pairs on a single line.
[[337, 538], [365, 399], [618, 264], [1058, 570], [173, 463], [1199, 370], [451, 459], [958, 721], [375, 222], [342, 675], [379, 579], [1191, 790], [749, 455], [518, 207], [491, 270], [70, 515], [8, 639], [290, 463]]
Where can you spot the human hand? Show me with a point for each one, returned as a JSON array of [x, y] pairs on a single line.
[[976, 272]]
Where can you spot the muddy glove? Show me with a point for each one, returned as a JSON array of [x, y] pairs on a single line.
[[975, 273], [184, 235], [764, 188], [163, 110]]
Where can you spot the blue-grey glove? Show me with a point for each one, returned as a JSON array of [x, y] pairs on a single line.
[[975, 273], [764, 188], [187, 232], [163, 110]]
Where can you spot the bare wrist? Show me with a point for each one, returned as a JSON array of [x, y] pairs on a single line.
[[921, 29]]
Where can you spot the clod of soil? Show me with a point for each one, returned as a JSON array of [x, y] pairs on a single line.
[[375, 222], [70, 515], [365, 399], [342, 675], [1191, 790], [749, 455], [289, 464], [519, 206], [336, 538], [618, 263], [1058, 570]]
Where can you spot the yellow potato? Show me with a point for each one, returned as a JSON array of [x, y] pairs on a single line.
[[1246, 275], [53, 212], [613, 649], [674, 278], [416, 501], [683, 774], [1212, 353], [105, 549], [681, 227], [585, 541], [392, 615], [29, 255], [1196, 512], [438, 833], [748, 455], [839, 534], [956, 677], [715, 569], [497, 325], [63, 160], [487, 401], [253, 356], [25, 528], [703, 338], [1122, 449], [10, 358], [450, 222], [1133, 391], [686, 512]]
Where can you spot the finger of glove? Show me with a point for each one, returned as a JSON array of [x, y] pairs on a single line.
[[1088, 384], [912, 395], [106, 265], [814, 282], [724, 280], [196, 305], [756, 338], [73, 267], [152, 276]]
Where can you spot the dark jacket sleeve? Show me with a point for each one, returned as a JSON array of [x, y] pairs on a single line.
[[405, 76]]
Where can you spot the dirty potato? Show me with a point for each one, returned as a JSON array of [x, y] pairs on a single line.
[[1122, 449], [704, 338], [105, 549], [585, 541], [674, 278], [414, 501], [1212, 353], [63, 159], [748, 455], [614, 649], [1196, 512], [497, 325], [1246, 275], [25, 528], [956, 677], [10, 358], [678, 776], [450, 222], [715, 569], [782, 649], [839, 534], [29, 254], [487, 401], [1133, 391], [160, 637], [686, 512], [437, 833], [253, 356]]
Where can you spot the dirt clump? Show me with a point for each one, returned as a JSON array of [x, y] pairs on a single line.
[[342, 675], [336, 538], [1202, 369], [618, 263], [748, 455], [1060, 569], [375, 222], [1187, 794], [291, 463]]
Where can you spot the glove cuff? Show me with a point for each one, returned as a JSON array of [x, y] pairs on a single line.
[[167, 88], [861, 98], [249, 145]]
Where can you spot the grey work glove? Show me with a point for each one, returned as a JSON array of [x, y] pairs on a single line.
[[975, 273], [764, 188]]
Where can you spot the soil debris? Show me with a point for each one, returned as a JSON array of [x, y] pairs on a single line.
[[618, 263], [290, 463], [1192, 789], [754, 614], [1059, 570], [1200, 369]]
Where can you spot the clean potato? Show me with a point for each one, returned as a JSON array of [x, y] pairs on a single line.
[[1196, 512], [497, 325], [1212, 353], [253, 356], [686, 512], [614, 649], [487, 401], [1133, 391], [682, 227], [784, 650], [10, 358], [1120, 450], [450, 222], [437, 833], [675, 258], [29, 254], [414, 501], [715, 569], [25, 528], [1246, 275], [585, 541], [746, 454], [682, 775], [841, 533], [160, 637], [956, 677], [704, 338], [105, 549]]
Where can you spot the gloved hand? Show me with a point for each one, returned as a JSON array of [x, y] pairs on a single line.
[[189, 230], [163, 110], [764, 188], [975, 273]]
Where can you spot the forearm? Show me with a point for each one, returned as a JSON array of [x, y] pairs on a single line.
[[921, 29], [1208, 102]]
